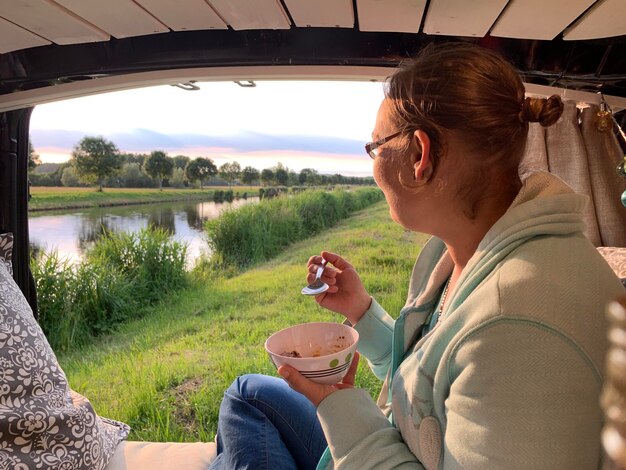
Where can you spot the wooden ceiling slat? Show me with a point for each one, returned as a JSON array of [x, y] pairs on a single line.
[[119, 18], [606, 19], [257, 14], [184, 15], [50, 21], [462, 17], [404, 16], [13, 38], [538, 19], [321, 13]]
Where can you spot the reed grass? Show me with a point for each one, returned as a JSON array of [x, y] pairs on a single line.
[[118, 280], [149, 260], [248, 235]]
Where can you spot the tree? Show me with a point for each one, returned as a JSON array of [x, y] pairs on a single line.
[[267, 176], [230, 171], [292, 178], [308, 176], [249, 175], [178, 178], [138, 158], [159, 166], [200, 169], [180, 161], [132, 176], [33, 158], [96, 159], [69, 178], [334, 179], [281, 176]]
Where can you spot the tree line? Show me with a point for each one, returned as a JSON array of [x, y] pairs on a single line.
[[96, 161]]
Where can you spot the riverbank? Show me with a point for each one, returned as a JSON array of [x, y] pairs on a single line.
[[55, 198], [166, 373], [125, 271]]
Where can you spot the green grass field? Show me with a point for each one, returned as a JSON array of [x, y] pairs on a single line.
[[166, 373], [46, 198]]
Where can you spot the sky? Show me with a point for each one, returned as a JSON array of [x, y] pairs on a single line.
[[319, 125]]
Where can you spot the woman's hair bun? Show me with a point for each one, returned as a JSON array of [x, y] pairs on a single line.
[[544, 111]]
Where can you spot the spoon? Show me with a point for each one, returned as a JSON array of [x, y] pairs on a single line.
[[317, 286]]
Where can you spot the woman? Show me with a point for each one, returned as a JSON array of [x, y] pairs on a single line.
[[496, 358]]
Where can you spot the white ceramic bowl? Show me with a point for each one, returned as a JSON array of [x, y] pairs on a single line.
[[326, 350]]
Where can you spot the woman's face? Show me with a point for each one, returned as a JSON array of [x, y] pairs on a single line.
[[415, 201], [392, 166]]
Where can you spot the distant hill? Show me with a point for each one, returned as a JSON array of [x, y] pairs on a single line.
[[46, 168]]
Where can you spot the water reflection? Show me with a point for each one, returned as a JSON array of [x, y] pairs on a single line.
[[91, 230], [72, 233], [164, 220]]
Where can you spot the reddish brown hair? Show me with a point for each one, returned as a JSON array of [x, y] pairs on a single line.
[[475, 93]]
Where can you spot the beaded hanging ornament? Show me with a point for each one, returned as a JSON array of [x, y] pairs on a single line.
[[605, 121]]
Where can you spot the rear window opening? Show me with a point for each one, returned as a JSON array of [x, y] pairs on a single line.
[[312, 131]]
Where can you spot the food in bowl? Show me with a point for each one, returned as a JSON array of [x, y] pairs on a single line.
[[291, 354], [320, 351]]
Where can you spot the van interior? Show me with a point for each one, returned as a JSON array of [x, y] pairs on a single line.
[[52, 50]]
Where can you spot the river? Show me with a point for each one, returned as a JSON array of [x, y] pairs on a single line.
[[72, 232]]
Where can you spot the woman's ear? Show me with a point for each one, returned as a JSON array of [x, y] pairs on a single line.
[[423, 165]]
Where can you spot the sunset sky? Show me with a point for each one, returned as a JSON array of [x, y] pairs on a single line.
[[320, 125]]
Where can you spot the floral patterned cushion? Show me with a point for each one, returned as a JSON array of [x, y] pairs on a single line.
[[6, 251], [43, 424]]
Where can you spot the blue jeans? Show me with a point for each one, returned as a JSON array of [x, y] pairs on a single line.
[[264, 424]]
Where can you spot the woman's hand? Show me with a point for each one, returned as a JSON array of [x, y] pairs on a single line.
[[346, 294], [317, 392]]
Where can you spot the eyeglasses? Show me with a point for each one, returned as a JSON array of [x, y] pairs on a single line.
[[372, 147]]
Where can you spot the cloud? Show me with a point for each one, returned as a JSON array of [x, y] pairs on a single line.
[[58, 139], [144, 140]]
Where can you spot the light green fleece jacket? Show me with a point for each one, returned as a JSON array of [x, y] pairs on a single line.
[[510, 377]]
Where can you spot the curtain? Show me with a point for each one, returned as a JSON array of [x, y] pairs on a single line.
[[585, 158]]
